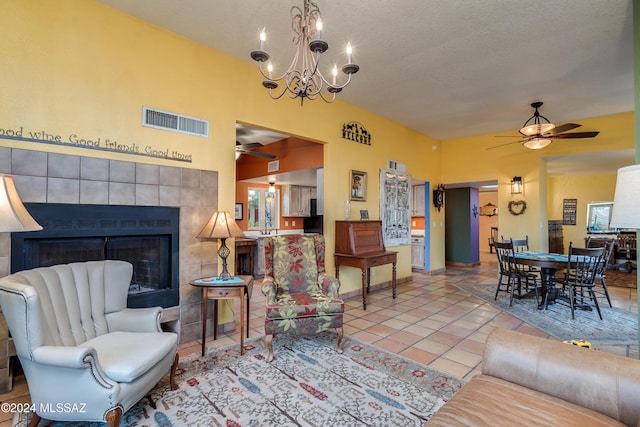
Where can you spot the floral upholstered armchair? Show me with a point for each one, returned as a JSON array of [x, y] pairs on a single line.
[[302, 298]]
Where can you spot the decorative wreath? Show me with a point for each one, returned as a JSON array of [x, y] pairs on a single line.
[[517, 207]]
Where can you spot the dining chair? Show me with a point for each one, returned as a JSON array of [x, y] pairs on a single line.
[[608, 244], [493, 238], [522, 245], [516, 277], [519, 245], [583, 265]]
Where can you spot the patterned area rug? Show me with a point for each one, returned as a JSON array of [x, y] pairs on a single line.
[[617, 326], [307, 384]]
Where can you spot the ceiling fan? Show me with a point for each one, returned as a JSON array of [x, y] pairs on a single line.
[[538, 134], [248, 149]]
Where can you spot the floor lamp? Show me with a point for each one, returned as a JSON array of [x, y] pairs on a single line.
[[626, 203], [221, 226], [13, 217]]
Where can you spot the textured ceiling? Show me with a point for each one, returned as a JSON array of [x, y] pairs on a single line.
[[448, 69]]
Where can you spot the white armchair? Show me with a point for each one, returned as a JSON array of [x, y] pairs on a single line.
[[78, 344]]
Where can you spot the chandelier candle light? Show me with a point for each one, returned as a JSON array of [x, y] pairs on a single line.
[[303, 79]]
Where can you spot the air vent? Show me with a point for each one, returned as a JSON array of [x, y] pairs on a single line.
[[174, 122], [273, 166], [392, 164]]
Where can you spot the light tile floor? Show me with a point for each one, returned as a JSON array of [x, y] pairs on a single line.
[[430, 321]]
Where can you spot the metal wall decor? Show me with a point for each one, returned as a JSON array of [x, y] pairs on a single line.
[[517, 207], [438, 197], [354, 131], [488, 210]]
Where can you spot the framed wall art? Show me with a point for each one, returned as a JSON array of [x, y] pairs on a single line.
[[238, 211], [358, 186]]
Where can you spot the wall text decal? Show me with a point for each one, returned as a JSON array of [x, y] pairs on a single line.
[[99, 143]]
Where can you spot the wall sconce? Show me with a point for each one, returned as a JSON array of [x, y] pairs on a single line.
[[516, 185]]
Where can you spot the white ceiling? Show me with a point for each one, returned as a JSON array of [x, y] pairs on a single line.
[[448, 69]]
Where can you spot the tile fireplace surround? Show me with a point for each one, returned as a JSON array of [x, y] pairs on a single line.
[[43, 177]]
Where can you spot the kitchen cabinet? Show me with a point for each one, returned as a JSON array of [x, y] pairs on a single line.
[[417, 200], [417, 252], [296, 200]]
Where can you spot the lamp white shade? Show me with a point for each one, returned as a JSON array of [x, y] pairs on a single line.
[[626, 202], [13, 214]]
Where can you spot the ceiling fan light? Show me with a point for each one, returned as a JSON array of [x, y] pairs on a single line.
[[537, 129], [537, 143]]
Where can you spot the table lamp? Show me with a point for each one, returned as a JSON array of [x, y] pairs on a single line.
[[13, 214], [221, 226]]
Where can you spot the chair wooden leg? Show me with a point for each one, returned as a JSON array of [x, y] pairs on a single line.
[[267, 340], [572, 301], [172, 378], [595, 301], [340, 332], [606, 291], [499, 286], [113, 417], [512, 283], [35, 419]]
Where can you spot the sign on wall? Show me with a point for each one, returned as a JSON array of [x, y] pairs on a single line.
[[569, 207]]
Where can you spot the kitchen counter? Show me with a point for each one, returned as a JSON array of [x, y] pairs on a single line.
[[256, 234]]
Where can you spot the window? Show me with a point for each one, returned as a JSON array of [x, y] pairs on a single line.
[[262, 209], [598, 217]]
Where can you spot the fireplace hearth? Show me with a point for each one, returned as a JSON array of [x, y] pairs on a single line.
[[145, 236]]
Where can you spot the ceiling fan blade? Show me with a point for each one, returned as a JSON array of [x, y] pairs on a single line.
[[250, 145], [575, 135], [508, 143], [257, 154], [563, 128]]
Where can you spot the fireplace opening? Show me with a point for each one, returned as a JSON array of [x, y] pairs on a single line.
[[147, 237]]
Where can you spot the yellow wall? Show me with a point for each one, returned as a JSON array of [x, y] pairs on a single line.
[[78, 66], [469, 159], [594, 188]]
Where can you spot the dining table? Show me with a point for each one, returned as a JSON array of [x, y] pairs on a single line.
[[549, 264]]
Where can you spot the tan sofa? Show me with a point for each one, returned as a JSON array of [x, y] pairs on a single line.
[[532, 381]]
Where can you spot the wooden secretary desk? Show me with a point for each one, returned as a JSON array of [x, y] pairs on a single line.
[[359, 244]]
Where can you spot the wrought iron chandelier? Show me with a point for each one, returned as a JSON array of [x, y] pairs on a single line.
[[303, 79]]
